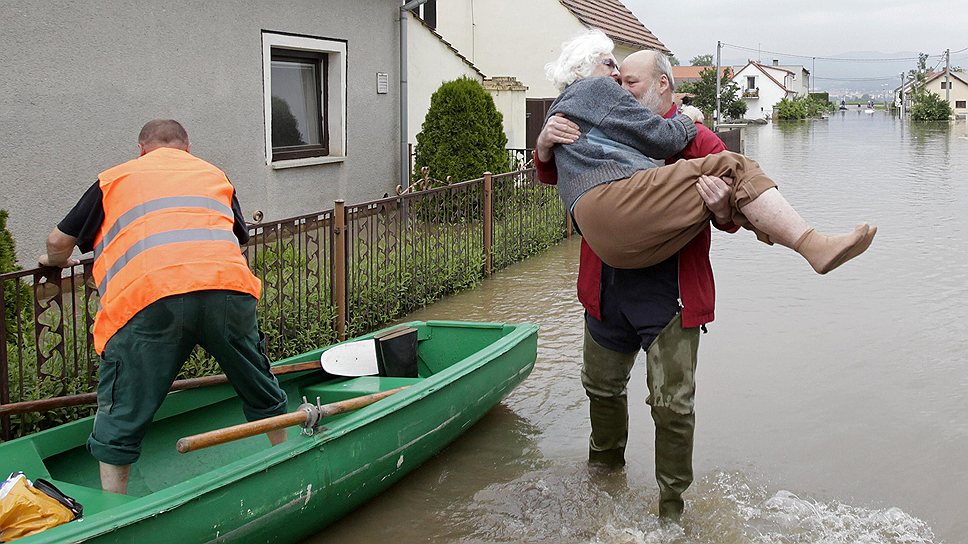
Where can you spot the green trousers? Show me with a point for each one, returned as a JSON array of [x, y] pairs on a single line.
[[670, 369], [141, 360]]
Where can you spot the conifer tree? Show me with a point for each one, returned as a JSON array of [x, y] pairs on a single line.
[[462, 135], [12, 299]]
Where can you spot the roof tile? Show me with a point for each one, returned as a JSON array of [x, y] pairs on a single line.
[[618, 23]]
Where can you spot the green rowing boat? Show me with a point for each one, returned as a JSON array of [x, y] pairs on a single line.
[[246, 491]]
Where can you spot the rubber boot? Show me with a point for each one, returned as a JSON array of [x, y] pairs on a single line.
[[671, 367], [673, 459], [605, 375]]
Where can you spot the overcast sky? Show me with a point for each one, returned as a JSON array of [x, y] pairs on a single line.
[[811, 28]]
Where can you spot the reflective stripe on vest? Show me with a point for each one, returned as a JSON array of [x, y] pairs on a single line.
[[160, 239], [158, 204], [167, 230]]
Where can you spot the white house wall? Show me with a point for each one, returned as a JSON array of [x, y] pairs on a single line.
[[770, 93], [430, 63], [800, 83], [513, 108], [509, 37], [959, 91], [81, 78]]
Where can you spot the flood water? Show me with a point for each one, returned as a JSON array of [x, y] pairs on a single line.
[[830, 409]]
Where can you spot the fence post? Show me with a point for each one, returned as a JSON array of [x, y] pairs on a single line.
[[568, 226], [339, 267], [488, 226], [4, 367]]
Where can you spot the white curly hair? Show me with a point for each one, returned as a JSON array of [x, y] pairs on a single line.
[[579, 57]]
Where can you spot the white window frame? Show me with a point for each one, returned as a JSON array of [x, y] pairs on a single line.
[[336, 106]]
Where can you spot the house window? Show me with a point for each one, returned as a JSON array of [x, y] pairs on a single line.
[[750, 82], [960, 104], [305, 99], [945, 85], [428, 12], [298, 102]]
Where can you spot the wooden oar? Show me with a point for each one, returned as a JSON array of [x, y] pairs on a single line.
[[306, 415], [179, 385]]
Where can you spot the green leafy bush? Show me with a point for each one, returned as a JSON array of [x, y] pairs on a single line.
[[820, 96], [462, 135], [704, 92], [928, 106], [790, 109], [801, 107]]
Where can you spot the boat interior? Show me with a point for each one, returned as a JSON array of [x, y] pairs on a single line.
[[59, 455]]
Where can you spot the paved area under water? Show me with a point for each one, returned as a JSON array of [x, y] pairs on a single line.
[[830, 409]]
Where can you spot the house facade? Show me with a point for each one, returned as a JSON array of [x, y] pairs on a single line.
[[298, 105], [762, 86], [499, 37], [954, 88]]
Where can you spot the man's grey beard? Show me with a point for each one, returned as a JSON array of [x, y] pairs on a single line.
[[652, 99]]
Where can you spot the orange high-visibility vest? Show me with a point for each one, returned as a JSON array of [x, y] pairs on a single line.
[[167, 230]]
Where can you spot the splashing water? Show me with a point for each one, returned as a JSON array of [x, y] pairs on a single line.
[[575, 504]]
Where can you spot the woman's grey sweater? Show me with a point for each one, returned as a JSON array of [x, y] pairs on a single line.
[[618, 135]]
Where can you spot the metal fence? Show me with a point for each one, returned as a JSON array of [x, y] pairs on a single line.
[[326, 275], [519, 158]]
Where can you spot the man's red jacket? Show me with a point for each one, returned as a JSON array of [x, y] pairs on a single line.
[[697, 290]]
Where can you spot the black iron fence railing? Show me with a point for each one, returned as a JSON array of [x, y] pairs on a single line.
[[325, 276]]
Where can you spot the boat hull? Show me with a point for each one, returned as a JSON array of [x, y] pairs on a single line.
[[288, 492]]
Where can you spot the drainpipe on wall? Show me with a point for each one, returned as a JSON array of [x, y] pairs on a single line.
[[404, 110]]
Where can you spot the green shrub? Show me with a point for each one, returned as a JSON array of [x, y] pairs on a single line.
[[928, 106], [801, 107], [790, 109], [462, 135], [15, 294], [819, 96], [704, 92]]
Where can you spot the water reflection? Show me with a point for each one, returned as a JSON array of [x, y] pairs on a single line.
[[829, 408]]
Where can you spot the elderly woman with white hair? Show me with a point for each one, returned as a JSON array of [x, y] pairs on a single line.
[[634, 213]]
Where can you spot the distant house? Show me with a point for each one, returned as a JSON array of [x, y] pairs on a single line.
[[762, 86], [955, 87], [298, 105], [691, 74], [499, 38]]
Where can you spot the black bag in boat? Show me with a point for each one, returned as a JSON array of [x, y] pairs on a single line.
[[50, 490]]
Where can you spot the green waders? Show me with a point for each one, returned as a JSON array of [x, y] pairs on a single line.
[[670, 368]]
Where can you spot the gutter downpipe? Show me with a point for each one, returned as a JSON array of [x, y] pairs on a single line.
[[404, 110]]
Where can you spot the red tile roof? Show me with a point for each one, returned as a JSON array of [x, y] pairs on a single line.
[[691, 73], [931, 76], [613, 18]]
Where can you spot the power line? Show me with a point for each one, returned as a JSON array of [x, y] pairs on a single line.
[[830, 58], [885, 78]]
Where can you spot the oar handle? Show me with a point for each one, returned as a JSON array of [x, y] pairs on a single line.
[[244, 430], [180, 385], [306, 415]]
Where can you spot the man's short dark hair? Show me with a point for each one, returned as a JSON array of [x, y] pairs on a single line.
[[163, 132]]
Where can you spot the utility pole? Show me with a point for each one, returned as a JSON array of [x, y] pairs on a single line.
[[719, 48], [813, 73], [900, 93], [947, 70]]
